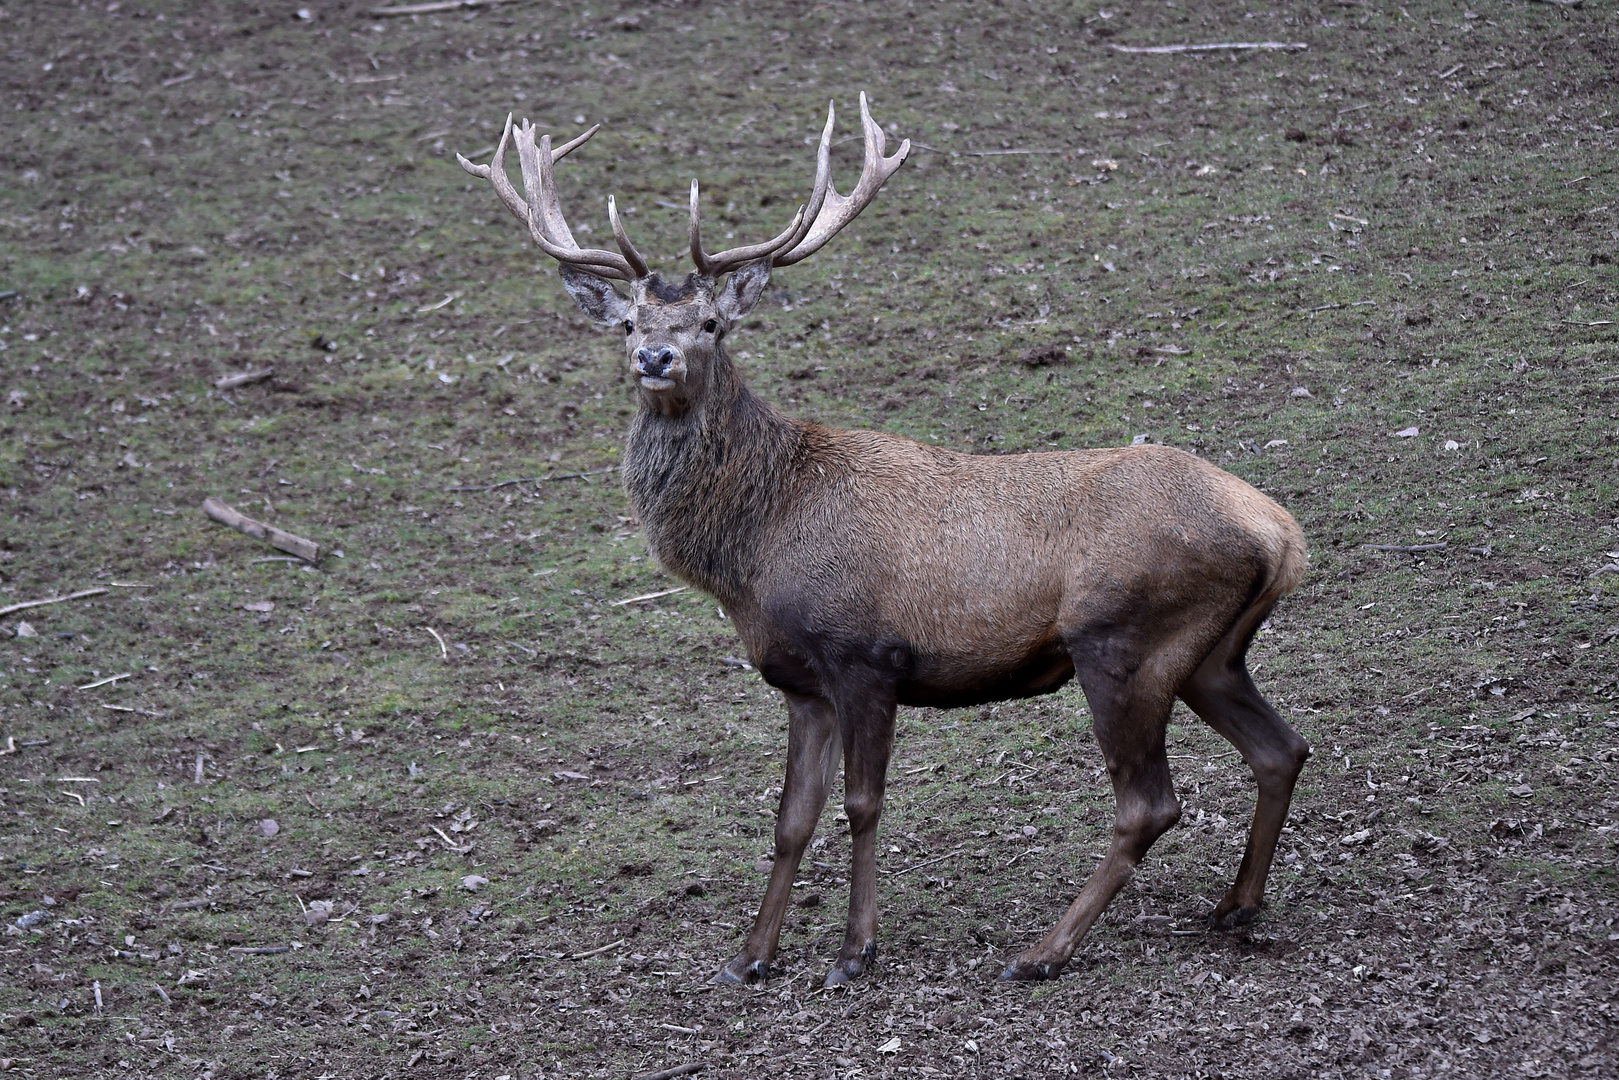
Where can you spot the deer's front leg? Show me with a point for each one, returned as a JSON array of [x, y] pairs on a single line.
[[868, 740], [812, 761]]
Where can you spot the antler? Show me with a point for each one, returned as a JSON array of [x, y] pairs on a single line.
[[541, 212], [826, 212]]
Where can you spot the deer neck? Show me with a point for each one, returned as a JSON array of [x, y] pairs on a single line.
[[707, 483]]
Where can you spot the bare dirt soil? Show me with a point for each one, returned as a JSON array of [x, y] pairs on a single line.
[[1374, 275]]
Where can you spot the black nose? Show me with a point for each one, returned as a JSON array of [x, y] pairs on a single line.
[[654, 360]]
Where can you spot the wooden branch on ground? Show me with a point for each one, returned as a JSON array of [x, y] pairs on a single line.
[[1408, 549], [440, 5], [307, 550], [532, 480], [246, 378], [52, 600], [678, 1070], [1285, 45]]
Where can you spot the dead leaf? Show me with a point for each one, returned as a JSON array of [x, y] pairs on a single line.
[[317, 912], [269, 827], [1407, 433], [1300, 392], [473, 882], [26, 630], [259, 605], [890, 1047]]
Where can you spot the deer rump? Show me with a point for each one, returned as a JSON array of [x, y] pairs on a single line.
[[953, 580], [865, 571]]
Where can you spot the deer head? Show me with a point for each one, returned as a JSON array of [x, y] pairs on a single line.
[[674, 333]]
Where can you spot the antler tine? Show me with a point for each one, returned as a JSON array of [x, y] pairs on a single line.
[[823, 180], [546, 223], [495, 173], [837, 211], [698, 257], [540, 211], [728, 260], [631, 256]]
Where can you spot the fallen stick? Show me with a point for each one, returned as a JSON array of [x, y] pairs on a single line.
[[532, 480], [609, 947], [53, 600], [648, 596], [307, 550], [441, 646], [1008, 153], [920, 865], [246, 378], [1288, 45], [439, 5], [678, 1070], [260, 950], [104, 682], [1407, 548]]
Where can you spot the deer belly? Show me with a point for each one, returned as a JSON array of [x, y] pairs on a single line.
[[954, 682]]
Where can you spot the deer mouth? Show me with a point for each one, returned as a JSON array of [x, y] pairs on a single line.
[[656, 383]]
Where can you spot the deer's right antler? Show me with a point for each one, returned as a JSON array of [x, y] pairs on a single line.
[[542, 213]]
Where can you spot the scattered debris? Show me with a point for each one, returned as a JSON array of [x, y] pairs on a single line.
[[32, 919]]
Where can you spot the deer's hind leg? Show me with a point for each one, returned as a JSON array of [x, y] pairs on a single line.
[[1130, 702], [1223, 693]]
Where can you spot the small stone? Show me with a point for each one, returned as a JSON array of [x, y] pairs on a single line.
[[269, 827]]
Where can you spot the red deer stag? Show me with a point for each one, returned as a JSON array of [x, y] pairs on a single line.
[[866, 571]]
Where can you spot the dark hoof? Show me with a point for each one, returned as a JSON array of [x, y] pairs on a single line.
[[1021, 970], [852, 968], [742, 971], [1234, 916]]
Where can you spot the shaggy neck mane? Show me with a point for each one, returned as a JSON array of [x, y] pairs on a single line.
[[706, 484]]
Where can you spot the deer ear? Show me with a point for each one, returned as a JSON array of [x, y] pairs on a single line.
[[743, 289], [596, 296]]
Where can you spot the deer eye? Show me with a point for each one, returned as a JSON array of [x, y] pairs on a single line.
[[629, 327], [710, 326]]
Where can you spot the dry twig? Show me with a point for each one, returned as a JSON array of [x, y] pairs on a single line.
[[437, 6], [246, 378], [1286, 45], [532, 480], [1409, 549], [104, 682], [307, 550], [441, 646], [678, 1070], [648, 596], [53, 600]]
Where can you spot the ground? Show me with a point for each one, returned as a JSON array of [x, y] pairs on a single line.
[[1373, 274]]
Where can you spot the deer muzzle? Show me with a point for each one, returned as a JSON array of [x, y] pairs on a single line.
[[659, 366]]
